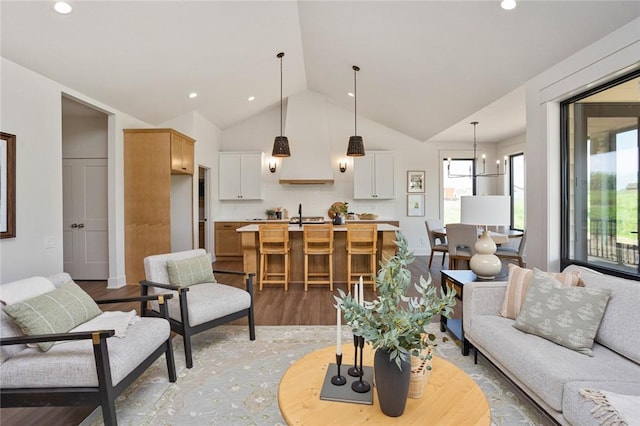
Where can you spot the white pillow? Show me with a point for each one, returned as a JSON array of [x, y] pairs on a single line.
[[17, 291]]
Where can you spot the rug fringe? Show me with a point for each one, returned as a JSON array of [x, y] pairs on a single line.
[[604, 412]]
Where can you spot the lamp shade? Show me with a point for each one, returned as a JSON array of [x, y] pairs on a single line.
[[356, 147], [281, 147], [486, 210]]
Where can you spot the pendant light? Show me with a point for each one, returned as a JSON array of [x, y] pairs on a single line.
[[281, 143], [356, 146]]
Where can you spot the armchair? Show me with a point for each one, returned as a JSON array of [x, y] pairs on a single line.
[[89, 368], [198, 307]]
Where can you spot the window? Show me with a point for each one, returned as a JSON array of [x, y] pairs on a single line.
[[600, 178], [454, 188], [516, 190]]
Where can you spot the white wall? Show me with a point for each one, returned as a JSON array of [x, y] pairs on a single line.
[[31, 109], [609, 57], [257, 134]]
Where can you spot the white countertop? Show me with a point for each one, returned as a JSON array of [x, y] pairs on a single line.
[[337, 228]]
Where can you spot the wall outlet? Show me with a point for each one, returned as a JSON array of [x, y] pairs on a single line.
[[49, 242], [423, 241]]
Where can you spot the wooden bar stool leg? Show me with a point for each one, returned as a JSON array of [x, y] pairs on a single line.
[[331, 272], [306, 272], [262, 260]]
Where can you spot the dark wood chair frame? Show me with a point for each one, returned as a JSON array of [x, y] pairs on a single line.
[[183, 328], [105, 394]]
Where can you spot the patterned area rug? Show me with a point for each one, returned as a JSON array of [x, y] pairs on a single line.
[[235, 381]]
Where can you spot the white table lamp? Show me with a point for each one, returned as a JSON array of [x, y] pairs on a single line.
[[486, 210]]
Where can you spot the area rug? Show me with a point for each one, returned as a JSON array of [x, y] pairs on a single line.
[[234, 381]]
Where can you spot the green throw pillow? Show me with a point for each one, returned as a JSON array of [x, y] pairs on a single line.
[[568, 316], [186, 272], [57, 311]]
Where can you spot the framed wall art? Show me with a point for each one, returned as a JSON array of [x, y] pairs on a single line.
[[7, 185], [415, 181], [415, 205]]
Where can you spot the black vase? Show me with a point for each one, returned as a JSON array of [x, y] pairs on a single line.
[[392, 384]]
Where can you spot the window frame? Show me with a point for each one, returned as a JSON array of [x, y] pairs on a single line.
[[565, 180]]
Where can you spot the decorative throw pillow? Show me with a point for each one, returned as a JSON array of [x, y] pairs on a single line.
[[518, 283], [568, 316], [57, 311], [186, 272]]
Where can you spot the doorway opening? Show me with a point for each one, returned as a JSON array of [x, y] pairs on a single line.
[[84, 191]]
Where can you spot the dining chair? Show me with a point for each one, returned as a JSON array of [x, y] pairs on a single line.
[[511, 253], [437, 243], [318, 241], [461, 239]]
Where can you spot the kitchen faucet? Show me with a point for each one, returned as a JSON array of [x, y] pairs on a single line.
[[300, 214]]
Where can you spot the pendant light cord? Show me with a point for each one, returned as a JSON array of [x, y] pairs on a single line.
[[280, 55], [355, 101]]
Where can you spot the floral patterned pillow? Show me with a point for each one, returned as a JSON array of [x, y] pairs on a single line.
[[568, 316]]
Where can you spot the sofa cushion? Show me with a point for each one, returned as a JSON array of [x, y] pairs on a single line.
[[71, 363], [188, 272], [581, 410], [542, 365], [57, 311], [620, 327], [200, 310], [568, 316], [518, 284]]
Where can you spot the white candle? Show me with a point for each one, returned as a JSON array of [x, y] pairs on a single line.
[[355, 293], [361, 298], [338, 332]]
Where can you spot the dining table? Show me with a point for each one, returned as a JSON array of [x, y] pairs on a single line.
[[501, 237]]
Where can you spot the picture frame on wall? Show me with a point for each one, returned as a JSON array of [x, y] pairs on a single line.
[[415, 181], [7, 185], [415, 205]]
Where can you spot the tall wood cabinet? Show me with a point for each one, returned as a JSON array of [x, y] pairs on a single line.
[[158, 195]]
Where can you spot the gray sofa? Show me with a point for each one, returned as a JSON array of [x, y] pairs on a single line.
[[550, 374]]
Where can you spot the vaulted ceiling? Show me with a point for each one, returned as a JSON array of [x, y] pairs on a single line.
[[427, 67]]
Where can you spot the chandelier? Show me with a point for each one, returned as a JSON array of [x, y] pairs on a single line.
[[473, 170]]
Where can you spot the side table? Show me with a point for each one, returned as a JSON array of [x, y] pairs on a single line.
[[456, 279]]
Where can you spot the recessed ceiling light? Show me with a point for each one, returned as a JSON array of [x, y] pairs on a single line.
[[251, 98], [193, 95], [350, 94], [508, 4], [62, 7]]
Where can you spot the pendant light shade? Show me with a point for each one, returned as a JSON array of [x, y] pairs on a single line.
[[356, 145], [281, 143]]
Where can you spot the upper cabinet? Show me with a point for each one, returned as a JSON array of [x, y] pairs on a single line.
[[240, 175], [374, 176], [182, 152]]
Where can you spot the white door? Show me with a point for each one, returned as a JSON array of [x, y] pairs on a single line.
[[86, 244]]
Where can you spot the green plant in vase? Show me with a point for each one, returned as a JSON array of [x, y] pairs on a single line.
[[395, 323]]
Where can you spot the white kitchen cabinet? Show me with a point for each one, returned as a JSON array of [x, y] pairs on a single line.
[[240, 175], [374, 176]]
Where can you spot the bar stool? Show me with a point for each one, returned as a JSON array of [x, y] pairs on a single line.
[[274, 241], [318, 241], [362, 240]]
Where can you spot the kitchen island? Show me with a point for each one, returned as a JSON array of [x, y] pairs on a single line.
[[251, 255]]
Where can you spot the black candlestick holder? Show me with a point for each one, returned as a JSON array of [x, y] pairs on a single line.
[[354, 371], [361, 386], [339, 379]]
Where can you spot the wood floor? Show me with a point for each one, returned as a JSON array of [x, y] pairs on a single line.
[[272, 306]]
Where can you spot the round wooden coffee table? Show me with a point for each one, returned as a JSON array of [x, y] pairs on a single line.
[[451, 397]]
